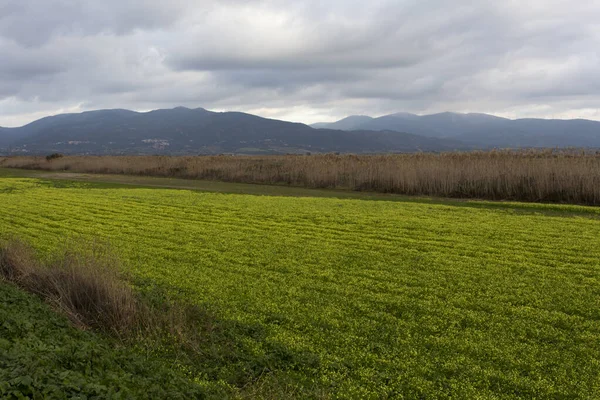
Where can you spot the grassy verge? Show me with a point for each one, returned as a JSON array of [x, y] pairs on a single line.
[[42, 356]]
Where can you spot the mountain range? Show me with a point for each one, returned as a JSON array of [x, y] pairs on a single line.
[[481, 130], [184, 131]]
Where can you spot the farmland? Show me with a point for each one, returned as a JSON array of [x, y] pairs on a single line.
[[353, 298], [42, 356]]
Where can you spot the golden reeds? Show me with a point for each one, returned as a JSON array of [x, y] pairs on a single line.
[[564, 176]]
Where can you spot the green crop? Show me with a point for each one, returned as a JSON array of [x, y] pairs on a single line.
[[43, 357], [355, 298]]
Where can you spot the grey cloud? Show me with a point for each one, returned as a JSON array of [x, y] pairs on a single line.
[[312, 58], [34, 22], [21, 64], [389, 37], [289, 80]]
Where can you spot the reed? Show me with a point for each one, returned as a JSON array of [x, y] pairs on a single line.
[[561, 176]]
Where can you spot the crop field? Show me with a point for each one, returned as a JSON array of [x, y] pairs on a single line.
[[353, 298], [43, 357]]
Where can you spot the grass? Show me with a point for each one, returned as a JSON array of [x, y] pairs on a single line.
[[349, 298], [84, 284], [107, 181], [550, 175], [42, 356]]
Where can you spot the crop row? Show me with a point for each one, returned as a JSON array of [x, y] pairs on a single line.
[[365, 298]]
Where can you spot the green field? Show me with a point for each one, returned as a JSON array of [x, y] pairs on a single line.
[[352, 298], [43, 357]]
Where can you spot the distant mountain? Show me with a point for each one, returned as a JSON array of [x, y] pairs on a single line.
[[5, 139], [483, 130], [198, 131], [346, 124], [7, 136]]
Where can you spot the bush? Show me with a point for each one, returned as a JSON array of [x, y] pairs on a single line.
[[85, 285], [54, 156]]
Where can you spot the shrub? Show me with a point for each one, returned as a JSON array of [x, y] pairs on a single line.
[[54, 156]]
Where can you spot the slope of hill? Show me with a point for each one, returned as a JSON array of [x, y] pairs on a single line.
[[7, 136], [483, 130], [348, 123], [198, 131]]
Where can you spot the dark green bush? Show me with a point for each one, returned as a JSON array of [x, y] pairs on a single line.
[[54, 156]]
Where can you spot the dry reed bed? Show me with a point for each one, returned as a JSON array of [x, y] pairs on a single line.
[[538, 176]]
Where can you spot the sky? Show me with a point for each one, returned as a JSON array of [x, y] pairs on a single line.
[[307, 61]]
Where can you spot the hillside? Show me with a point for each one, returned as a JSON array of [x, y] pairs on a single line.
[[198, 131], [483, 130], [7, 136], [348, 123]]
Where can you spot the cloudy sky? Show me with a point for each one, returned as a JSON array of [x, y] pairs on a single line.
[[308, 61]]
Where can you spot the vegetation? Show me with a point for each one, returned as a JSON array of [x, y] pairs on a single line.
[[42, 356], [86, 288], [535, 176], [54, 156], [323, 297]]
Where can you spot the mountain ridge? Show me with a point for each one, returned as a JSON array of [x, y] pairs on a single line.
[[187, 131], [183, 130], [486, 130]]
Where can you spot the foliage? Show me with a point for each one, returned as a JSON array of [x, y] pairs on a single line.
[[318, 297], [54, 156], [42, 356]]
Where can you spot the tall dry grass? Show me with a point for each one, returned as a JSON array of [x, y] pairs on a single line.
[[564, 176], [86, 283], [87, 287]]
